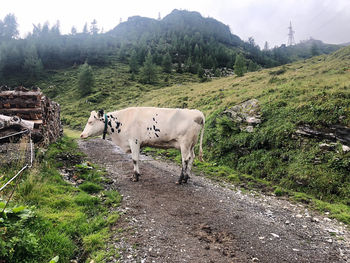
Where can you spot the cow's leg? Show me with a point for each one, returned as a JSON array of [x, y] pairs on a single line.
[[185, 155], [189, 165], [135, 153]]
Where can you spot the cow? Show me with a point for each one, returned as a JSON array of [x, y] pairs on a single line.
[[136, 127]]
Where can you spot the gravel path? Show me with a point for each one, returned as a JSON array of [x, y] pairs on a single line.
[[204, 221]]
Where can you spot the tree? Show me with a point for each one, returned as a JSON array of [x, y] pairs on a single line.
[[252, 66], [201, 72], [85, 79], [93, 28], [85, 29], [56, 28], [315, 51], [32, 63], [239, 67], [266, 46], [149, 70], [8, 28], [133, 63], [167, 63], [73, 31]]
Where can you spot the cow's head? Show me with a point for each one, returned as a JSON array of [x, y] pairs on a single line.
[[95, 125]]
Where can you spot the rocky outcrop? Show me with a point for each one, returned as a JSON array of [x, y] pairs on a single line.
[[247, 114], [335, 133]]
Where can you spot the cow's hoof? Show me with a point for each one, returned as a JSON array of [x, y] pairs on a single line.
[[135, 178]]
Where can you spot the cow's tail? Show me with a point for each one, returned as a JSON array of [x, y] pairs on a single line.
[[201, 142]]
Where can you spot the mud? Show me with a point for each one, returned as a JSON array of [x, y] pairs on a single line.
[[206, 221]]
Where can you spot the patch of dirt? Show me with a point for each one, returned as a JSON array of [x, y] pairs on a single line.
[[204, 221]]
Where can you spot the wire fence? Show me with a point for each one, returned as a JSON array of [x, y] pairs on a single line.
[[16, 154]]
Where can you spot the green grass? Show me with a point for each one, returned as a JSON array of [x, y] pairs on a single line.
[[64, 220], [75, 134]]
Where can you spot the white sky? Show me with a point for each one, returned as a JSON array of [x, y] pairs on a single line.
[[264, 20]]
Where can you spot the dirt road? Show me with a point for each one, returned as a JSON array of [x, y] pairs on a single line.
[[203, 221]]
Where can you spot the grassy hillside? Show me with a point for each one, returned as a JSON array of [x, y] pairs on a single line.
[[314, 92]]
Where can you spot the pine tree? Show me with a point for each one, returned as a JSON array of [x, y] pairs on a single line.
[[133, 63], [8, 28], [167, 63], [73, 31], [85, 79], [93, 28], [314, 50], [149, 70], [252, 66], [266, 46], [201, 72], [32, 63], [85, 29], [239, 67]]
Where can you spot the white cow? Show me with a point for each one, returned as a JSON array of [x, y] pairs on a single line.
[[135, 127]]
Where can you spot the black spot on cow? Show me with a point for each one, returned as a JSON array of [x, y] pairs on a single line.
[[112, 116], [154, 119], [155, 129], [101, 119], [136, 141], [134, 161], [156, 114], [112, 129], [119, 130], [156, 134], [118, 124], [95, 117], [107, 116], [110, 124]]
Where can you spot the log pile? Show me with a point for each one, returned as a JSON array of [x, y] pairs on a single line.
[[31, 105]]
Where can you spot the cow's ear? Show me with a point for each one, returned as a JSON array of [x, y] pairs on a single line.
[[100, 113]]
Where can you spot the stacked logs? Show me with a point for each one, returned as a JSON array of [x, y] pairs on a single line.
[[32, 105]]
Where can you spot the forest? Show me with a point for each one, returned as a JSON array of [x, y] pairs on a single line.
[[183, 40]]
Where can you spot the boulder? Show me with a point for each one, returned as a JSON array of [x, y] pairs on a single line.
[[247, 114]]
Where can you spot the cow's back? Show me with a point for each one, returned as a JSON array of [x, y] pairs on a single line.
[[157, 126]]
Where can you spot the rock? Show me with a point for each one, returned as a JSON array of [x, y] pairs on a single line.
[[332, 231], [287, 222], [246, 114], [298, 216], [333, 133], [275, 235], [314, 219], [255, 260], [345, 148], [328, 147]]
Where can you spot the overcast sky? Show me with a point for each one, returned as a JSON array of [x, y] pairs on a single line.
[[264, 20]]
